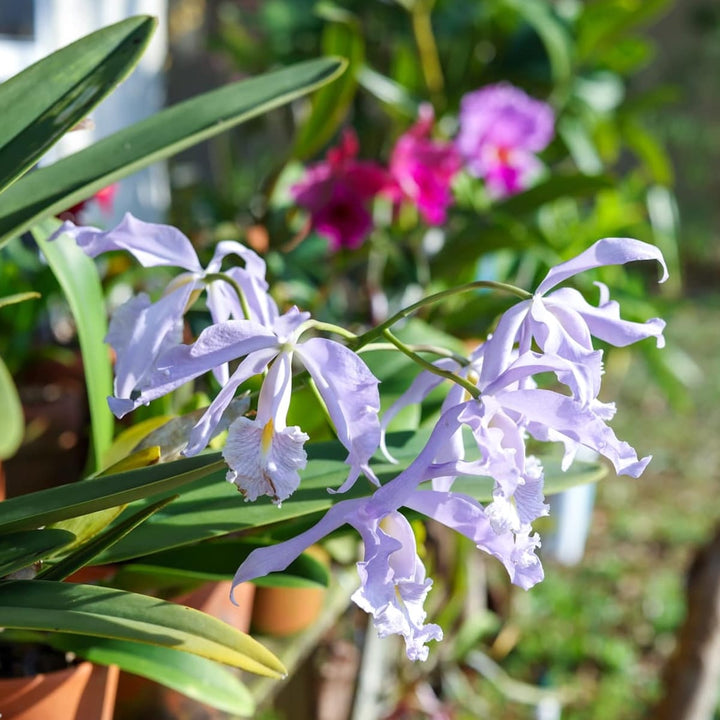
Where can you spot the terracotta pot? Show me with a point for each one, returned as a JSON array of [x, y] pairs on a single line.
[[81, 692], [213, 598], [282, 611]]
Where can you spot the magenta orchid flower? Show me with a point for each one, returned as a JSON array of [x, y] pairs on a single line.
[[141, 330], [423, 169], [501, 131], [337, 192]]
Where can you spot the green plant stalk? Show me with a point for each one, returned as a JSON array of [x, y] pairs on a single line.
[[370, 335], [427, 48], [465, 384], [210, 277]]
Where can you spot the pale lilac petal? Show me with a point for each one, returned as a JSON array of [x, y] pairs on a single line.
[[419, 389], [499, 352], [254, 264], [262, 561], [568, 417], [350, 392], [201, 433], [608, 251], [139, 331], [604, 322], [151, 244], [393, 586], [466, 516]]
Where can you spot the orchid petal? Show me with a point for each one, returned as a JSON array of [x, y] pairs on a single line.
[[151, 244], [608, 251], [350, 392]]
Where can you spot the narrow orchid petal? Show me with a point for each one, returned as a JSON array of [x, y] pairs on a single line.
[[499, 352], [151, 244], [216, 344], [350, 392], [139, 331], [262, 307], [275, 558], [608, 251], [254, 264], [570, 418], [200, 435], [577, 377], [604, 321], [419, 389], [465, 515]]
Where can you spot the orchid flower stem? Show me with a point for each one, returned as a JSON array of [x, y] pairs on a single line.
[[400, 345], [210, 277], [328, 327], [375, 332], [440, 352]]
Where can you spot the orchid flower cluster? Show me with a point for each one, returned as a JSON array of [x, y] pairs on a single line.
[[492, 407], [501, 130]]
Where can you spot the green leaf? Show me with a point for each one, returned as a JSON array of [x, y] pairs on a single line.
[[114, 614], [55, 188], [218, 560], [331, 104], [21, 549], [78, 277], [203, 680], [80, 498], [12, 421], [85, 554], [47, 99]]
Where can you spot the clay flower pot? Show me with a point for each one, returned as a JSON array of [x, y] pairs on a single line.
[[80, 692]]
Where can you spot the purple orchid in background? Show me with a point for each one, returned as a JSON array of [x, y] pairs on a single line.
[[345, 384], [337, 193], [141, 330], [501, 131], [423, 169]]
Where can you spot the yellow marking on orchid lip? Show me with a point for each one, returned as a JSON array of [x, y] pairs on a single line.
[[267, 435]]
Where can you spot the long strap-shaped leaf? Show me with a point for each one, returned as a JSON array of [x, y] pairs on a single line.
[[79, 280], [108, 613], [58, 503], [40, 104], [53, 189]]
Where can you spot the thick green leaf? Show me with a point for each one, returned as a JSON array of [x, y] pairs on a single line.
[[44, 101], [85, 554], [218, 560], [78, 277], [203, 680], [46, 506], [52, 189], [12, 422], [20, 549], [114, 614]]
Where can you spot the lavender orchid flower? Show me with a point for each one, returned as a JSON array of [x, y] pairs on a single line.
[[346, 385], [140, 330], [393, 585], [563, 323]]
